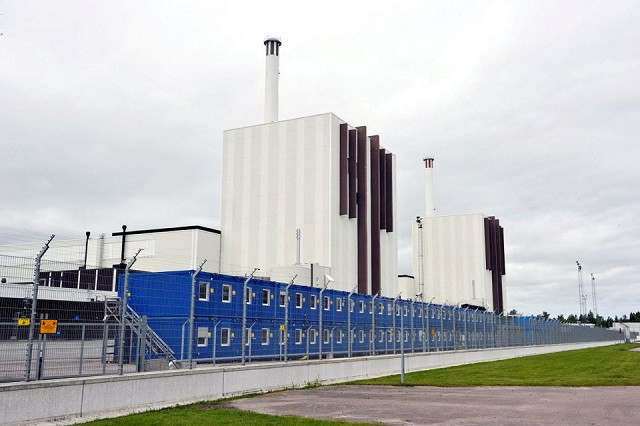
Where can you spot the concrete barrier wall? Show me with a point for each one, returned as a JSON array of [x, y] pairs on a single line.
[[106, 396]]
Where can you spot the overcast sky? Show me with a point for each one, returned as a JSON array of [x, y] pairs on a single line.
[[112, 112]]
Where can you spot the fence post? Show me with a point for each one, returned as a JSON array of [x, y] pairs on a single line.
[[191, 311], [123, 312], [475, 329], [321, 308], [34, 307], [455, 337], [81, 349], [286, 317], [142, 347], [412, 330], [395, 331], [349, 322], [373, 323], [244, 311], [105, 335], [401, 348]]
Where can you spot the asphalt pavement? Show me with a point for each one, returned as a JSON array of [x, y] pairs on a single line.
[[426, 405]]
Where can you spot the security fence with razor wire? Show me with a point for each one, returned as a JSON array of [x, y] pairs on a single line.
[[66, 319]]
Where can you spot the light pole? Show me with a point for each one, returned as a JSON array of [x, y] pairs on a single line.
[[244, 310]]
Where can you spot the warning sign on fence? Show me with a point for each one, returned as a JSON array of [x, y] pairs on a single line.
[[24, 321], [48, 326]]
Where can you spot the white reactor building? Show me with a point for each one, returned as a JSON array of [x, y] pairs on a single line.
[[312, 197], [457, 259]]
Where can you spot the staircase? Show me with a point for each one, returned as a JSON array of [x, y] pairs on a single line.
[[157, 348]]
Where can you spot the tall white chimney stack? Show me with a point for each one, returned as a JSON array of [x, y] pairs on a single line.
[[272, 45], [428, 188]]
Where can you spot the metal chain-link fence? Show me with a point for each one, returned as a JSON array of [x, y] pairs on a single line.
[[63, 318]]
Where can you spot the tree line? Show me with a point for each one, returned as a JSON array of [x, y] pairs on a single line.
[[590, 318]]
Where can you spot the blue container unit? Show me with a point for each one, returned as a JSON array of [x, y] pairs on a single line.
[[319, 321]]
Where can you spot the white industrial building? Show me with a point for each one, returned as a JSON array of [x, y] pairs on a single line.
[[320, 175], [458, 259], [163, 249]]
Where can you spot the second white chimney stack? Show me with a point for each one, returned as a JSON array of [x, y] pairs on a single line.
[[271, 79], [428, 188]]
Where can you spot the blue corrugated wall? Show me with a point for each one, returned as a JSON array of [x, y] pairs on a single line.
[[164, 297]]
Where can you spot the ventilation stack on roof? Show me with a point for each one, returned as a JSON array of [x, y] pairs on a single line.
[[428, 187], [272, 71]]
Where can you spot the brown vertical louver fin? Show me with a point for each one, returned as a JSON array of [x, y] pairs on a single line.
[[503, 271], [494, 255], [374, 154], [383, 189], [487, 244], [344, 168], [389, 185], [362, 211], [352, 173]]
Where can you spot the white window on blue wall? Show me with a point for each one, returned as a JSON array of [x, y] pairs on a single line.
[[225, 336], [298, 300], [247, 296], [264, 338], [326, 303], [203, 336], [381, 308], [389, 308], [266, 297], [339, 304], [298, 336], [361, 306], [203, 290], [312, 336], [312, 301], [226, 293], [283, 299]]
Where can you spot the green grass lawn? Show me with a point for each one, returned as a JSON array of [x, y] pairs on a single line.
[[604, 366], [209, 413]]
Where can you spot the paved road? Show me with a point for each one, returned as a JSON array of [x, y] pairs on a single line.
[[469, 406]]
